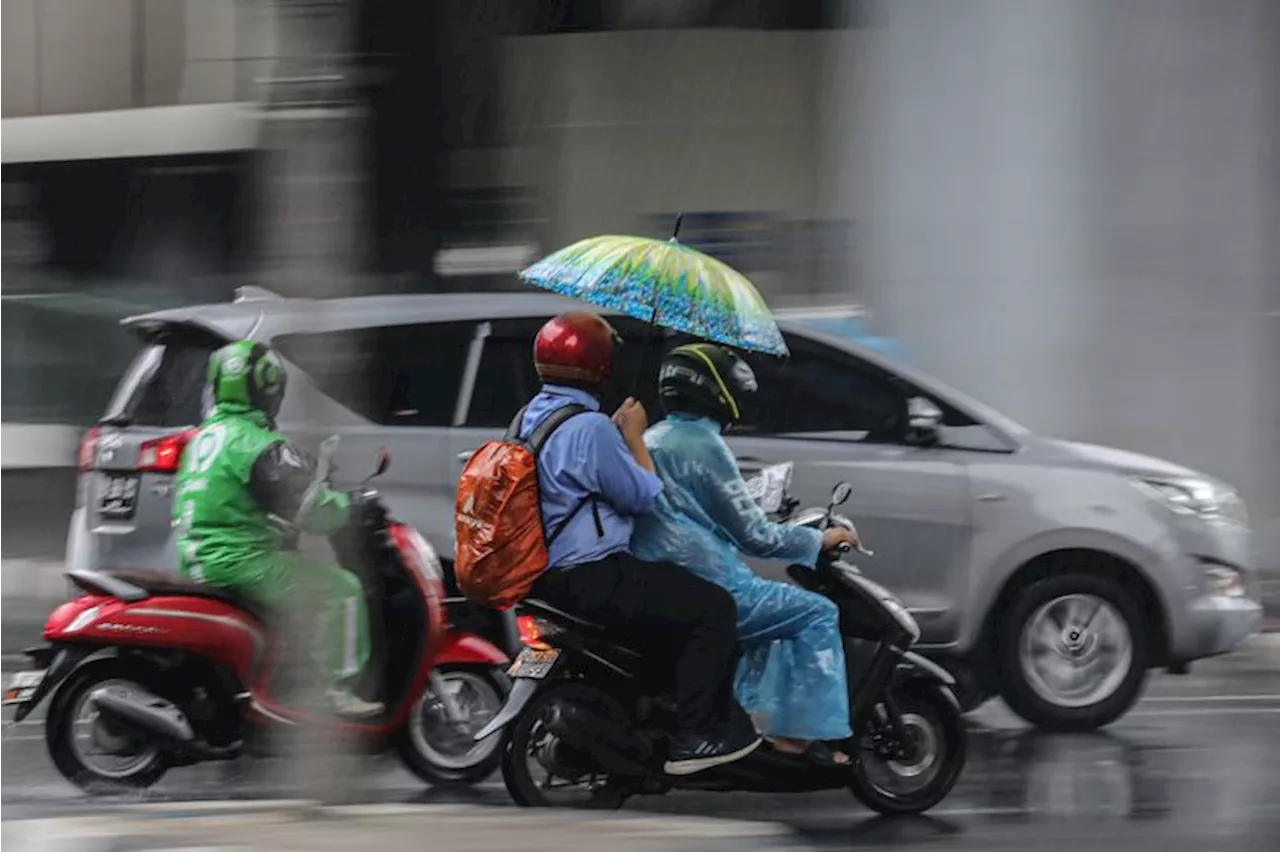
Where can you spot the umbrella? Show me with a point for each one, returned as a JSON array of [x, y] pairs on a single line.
[[666, 283]]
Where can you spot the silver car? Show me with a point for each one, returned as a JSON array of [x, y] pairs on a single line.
[[1052, 573]]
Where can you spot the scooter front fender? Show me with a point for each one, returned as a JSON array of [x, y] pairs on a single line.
[[913, 666], [467, 649]]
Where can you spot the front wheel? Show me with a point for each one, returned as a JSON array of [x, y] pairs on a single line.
[[98, 754], [898, 778], [445, 754], [1073, 652]]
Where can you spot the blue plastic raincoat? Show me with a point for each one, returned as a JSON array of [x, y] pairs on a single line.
[[792, 671]]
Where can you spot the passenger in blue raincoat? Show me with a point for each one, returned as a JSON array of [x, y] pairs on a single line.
[[793, 670]]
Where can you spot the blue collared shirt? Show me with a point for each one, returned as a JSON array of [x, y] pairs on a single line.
[[587, 456]]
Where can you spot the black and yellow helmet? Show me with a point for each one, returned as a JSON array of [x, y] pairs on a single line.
[[248, 373], [707, 380]]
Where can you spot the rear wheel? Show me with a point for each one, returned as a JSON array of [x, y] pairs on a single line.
[[98, 754], [893, 777], [442, 753], [540, 771]]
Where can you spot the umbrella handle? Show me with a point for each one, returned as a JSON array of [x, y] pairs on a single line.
[[648, 340]]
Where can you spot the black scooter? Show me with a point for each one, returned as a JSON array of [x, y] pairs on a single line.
[[588, 720]]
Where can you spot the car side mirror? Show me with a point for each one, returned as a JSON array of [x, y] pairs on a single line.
[[924, 419]]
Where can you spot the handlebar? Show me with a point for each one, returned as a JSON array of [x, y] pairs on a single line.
[[824, 519], [367, 506], [769, 489]]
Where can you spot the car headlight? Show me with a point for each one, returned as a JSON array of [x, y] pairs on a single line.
[[1196, 498], [1224, 581]]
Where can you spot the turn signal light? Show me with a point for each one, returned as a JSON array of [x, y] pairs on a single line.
[[87, 455], [164, 455], [530, 636]]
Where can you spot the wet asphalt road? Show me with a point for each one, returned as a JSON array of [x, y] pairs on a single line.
[[1195, 766]]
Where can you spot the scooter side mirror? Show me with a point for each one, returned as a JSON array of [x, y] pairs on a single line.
[[841, 493]]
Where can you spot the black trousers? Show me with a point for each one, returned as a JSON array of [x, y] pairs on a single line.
[[664, 610]]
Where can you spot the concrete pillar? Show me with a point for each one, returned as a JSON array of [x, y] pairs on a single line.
[[1067, 213], [311, 247], [312, 176]]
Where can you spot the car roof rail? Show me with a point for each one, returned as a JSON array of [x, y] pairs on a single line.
[[821, 312], [252, 293]]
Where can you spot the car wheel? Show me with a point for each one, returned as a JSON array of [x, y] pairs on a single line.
[[1073, 652]]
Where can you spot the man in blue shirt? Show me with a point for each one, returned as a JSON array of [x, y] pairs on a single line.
[[594, 477]]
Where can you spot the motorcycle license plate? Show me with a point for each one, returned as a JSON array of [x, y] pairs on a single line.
[[534, 663], [21, 687]]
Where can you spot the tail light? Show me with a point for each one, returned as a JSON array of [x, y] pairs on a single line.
[[87, 455], [164, 455], [530, 634]]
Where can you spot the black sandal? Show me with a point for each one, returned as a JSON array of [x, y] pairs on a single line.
[[821, 754]]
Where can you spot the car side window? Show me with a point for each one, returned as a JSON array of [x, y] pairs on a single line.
[[507, 379], [819, 390], [399, 375]]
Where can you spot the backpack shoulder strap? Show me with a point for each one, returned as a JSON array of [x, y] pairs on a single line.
[[513, 431], [553, 421]]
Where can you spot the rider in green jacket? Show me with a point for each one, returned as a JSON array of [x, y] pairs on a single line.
[[240, 485]]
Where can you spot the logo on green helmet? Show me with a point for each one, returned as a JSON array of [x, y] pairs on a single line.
[[247, 373], [267, 373]]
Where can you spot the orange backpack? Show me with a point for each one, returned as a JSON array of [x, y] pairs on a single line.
[[500, 545]]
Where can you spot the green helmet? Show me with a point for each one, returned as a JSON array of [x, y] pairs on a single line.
[[248, 373]]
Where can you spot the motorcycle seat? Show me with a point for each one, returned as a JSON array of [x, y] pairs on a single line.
[[159, 583], [546, 610]]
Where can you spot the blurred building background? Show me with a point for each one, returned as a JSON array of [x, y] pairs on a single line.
[[1068, 209]]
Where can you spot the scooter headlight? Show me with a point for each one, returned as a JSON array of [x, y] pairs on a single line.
[[83, 620], [905, 619]]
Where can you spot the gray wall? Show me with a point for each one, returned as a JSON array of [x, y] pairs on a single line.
[[63, 56], [613, 126]]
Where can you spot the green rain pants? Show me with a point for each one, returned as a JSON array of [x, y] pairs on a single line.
[[331, 596]]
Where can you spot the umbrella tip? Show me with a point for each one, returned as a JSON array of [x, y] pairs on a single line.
[[675, 232]]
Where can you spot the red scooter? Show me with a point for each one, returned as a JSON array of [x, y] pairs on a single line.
[[145, 671]]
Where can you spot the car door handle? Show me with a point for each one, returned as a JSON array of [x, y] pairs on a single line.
[[991, 497]]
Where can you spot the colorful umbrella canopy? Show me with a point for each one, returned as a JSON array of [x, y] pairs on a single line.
[[664, 282]]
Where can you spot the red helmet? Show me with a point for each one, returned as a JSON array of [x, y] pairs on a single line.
[[577, 348]]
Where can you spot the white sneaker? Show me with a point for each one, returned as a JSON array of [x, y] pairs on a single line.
[[347, 703]]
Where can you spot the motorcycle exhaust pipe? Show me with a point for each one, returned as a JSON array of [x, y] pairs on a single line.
[[617, 749], [141, 709]]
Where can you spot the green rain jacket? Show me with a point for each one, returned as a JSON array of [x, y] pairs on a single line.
[[240, 485]]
